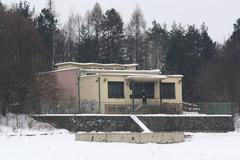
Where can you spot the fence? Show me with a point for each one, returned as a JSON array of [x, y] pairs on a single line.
[[92, 106], [218, 108]]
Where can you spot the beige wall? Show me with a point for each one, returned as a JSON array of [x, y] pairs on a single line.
[[67, 66], [178, 90], [89, 90]]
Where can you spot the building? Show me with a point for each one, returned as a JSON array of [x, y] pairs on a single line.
[[107, 88]]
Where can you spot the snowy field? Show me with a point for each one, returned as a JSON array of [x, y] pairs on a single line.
[[50, 144], [201, 146]]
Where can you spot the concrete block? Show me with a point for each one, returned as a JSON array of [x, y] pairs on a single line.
[[159, 137]]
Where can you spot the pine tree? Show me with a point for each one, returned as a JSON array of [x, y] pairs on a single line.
[[22, 9], [208, 47], [47, 27], [175, 53], [87, 45], [112, 38], [157, 45]]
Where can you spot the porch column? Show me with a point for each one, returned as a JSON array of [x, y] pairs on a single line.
[[160, 87], [133, 105]]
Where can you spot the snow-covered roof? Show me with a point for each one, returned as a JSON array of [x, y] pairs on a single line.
[[152, 74], [174, 76], [97, 64], [156, 71], [148, 78], [59, 70]]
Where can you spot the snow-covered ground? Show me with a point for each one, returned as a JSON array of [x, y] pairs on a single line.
[[24, 125], [60, 145], [201, 146]]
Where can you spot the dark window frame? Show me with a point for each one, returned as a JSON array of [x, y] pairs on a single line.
[[142, 85], [168, 90], [112, 92]]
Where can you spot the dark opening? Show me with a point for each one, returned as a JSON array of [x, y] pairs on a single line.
[[168, 91], [115, 89], [143, 87]]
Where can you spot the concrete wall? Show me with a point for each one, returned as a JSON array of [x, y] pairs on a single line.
[[91, 123], [207, 123], [161, 137], [159, 123]]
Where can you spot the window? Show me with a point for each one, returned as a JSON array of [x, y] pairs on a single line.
[[115, 89], [167, 90], [140, 87]]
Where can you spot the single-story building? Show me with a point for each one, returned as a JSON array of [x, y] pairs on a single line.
[[106, 88]]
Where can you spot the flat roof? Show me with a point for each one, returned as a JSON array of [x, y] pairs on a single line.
[[144, 78], [155, 72], [59, 70], [97, 64]]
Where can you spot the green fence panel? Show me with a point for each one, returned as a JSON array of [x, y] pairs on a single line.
[[218, 108]]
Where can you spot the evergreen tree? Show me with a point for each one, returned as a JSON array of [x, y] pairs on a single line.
[[234, 40], [87, 45], [208, 56], [112, 37], [208, 47], [157, 39], [22, 9], [21, 57], [47, 27], [175, 55]]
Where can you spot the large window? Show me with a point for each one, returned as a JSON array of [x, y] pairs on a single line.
[[115, 89], [140, 87], [168, 90]]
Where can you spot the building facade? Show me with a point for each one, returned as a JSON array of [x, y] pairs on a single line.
[[107, 88]]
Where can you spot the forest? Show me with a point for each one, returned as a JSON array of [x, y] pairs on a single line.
[[32, 43]]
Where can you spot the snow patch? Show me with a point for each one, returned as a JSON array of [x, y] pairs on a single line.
[[236, 121], [13, 124], [140, 124]]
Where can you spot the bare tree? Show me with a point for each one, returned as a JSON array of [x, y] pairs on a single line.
[[70, 30], [135, 32], [96, 17]]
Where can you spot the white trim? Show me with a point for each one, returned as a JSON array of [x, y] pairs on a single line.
[[144, 78], [59, 70], [156, 72], [174, 76], [97, 64]]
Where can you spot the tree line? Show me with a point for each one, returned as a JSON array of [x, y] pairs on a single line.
[[31, 43]]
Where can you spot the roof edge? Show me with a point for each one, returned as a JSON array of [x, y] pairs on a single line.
[[98, 64]]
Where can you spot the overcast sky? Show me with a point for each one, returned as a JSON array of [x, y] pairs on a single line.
[[219, 15]]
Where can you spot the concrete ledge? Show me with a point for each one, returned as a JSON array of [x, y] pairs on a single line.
[[198, 123], [124, 123], [159, 137]]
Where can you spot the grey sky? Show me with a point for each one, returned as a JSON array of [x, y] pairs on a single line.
[[219, 15]]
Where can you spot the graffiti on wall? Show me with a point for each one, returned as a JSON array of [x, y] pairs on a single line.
[[88, 106]]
